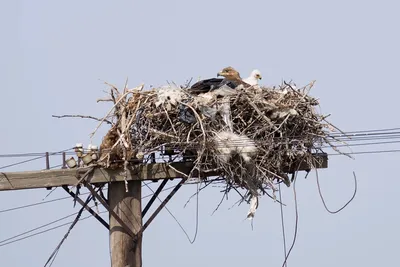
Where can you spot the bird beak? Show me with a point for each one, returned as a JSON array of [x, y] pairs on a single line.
[[221, 73], [260, 77]]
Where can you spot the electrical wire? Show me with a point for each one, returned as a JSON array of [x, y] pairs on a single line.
[[364, 144], [345, 135], [29, 160], [34, 154], [367, 135], [36, 228], [367, 152], [34, 204], [372, 130], [282, 223], [323, 199], [296, 219], [4, 242], [339, 138], [68, 197], [191, 241], [78, 216], [47, 230]]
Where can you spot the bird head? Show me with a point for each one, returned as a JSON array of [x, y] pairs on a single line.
[[256, 74], [229, 73]]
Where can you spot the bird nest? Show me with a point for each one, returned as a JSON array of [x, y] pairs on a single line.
[[250, 137]]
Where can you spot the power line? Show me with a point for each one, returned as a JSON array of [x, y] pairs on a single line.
[[176, 220], [10, 239], [346, 135], [363, 134], [47, 230], [36, 158], [368, 152], [35, 154], [323, 199], [364, 144], [34, 229], [372, 130], [243, 144], [67, 197], [53, 200], [34, 204], [282, 222], [78, 216]]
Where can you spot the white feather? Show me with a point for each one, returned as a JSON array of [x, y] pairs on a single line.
[[253, 207], [169, 94]]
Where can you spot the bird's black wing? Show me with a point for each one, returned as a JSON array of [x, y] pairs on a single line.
[[211, 84], [206, 85]]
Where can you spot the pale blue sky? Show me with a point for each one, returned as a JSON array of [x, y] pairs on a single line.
[[55, 55]]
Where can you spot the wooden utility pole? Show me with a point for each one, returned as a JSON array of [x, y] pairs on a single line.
[[125, 208], [127, 205]]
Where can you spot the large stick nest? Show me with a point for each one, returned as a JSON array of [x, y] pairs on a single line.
[[251, 137]]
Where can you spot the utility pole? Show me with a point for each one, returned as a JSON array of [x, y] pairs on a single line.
[[125, 208], [127, 205]]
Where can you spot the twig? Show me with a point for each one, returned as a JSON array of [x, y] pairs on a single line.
[[173, 168], [104, 100], [82, 117], [108, 113]]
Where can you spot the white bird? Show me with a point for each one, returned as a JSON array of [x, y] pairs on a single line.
[[253, 78]]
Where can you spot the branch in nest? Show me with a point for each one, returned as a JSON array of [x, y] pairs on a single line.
[[104, 100], [82, 117], [117, 102]]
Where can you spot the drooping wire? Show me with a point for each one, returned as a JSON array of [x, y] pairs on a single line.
[[197, 213], [323, 199], [282, 222], [176, 220], [294, 175]]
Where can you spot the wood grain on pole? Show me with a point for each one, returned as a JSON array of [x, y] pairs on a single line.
[[54, 178], [127, 205]]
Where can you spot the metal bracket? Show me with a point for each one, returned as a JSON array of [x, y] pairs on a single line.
[[155, 195], [90, 210], [104, 203], [162, 205]]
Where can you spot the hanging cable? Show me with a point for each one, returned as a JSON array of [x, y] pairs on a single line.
[[282, 223], [296, 220], [347, 203]]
